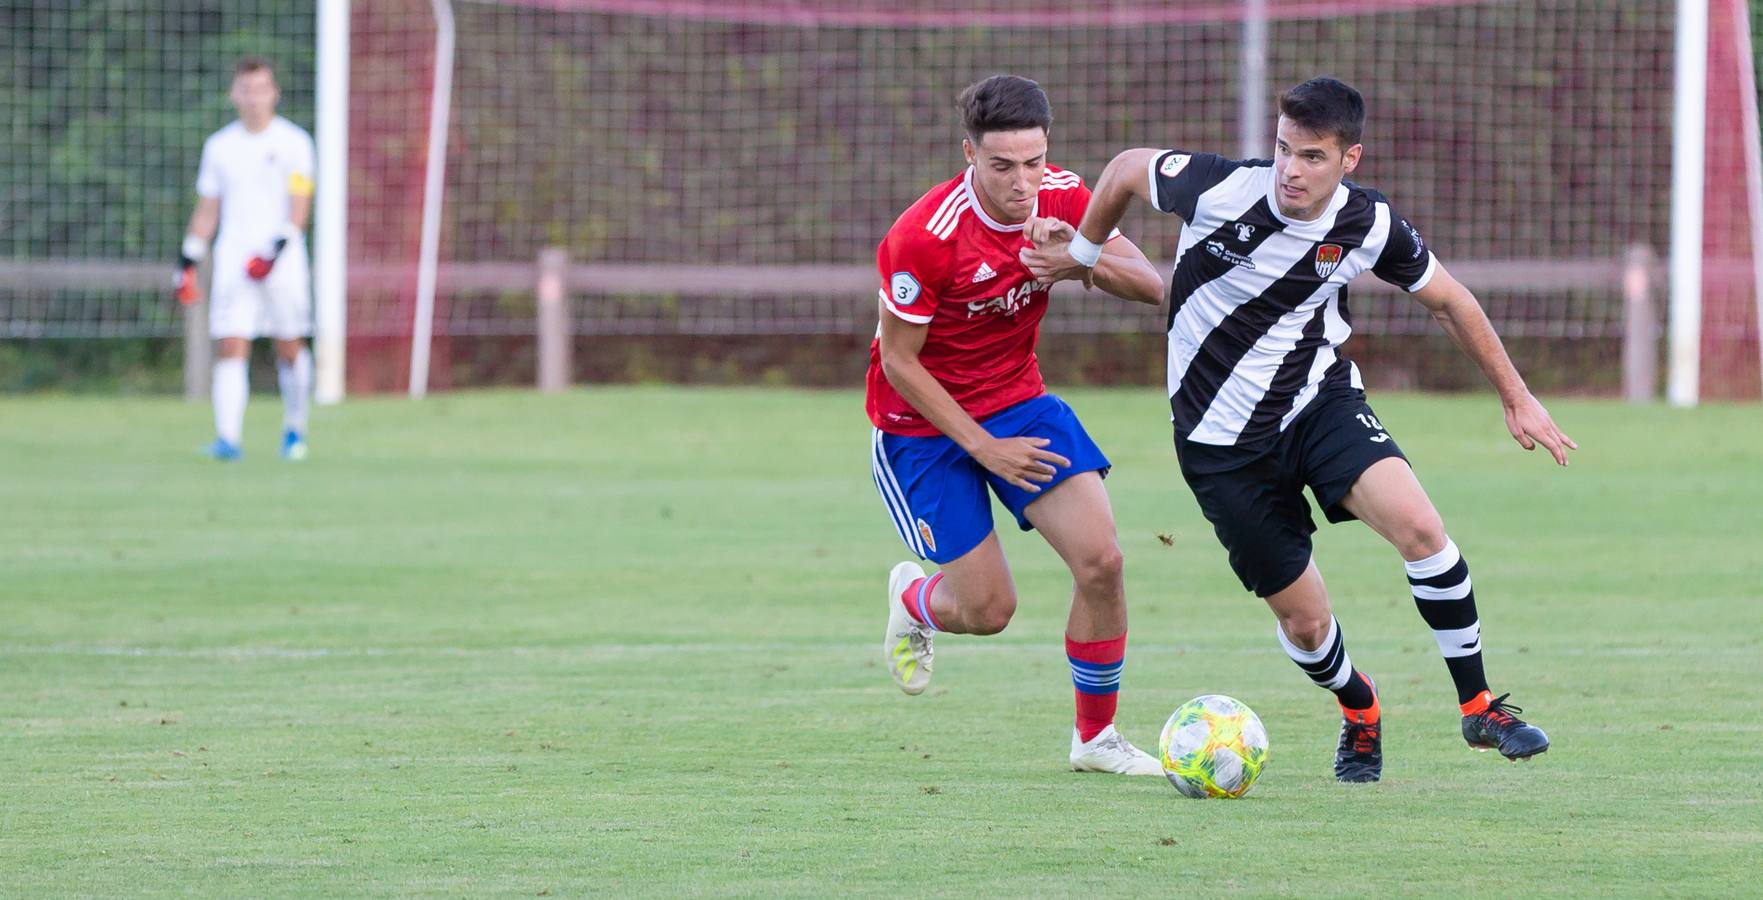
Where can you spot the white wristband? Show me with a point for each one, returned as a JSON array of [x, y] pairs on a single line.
[[194, 248], [1085, 251]]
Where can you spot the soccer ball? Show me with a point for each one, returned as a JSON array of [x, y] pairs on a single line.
[[1213, 746]]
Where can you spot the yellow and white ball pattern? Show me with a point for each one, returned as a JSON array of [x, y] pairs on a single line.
[[1214, 746]]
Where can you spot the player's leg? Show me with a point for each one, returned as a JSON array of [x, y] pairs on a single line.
[[1078, 522], [1260, 516], [1391, 500], [232, 323], [293, 368], [1073, 514], [971, 594], [936, 499], [289, 292], [1357, 472], [1312, 637]]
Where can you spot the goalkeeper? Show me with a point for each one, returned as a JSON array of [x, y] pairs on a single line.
[[255, 184]]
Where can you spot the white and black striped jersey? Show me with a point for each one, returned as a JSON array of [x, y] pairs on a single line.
[[1258, 302]]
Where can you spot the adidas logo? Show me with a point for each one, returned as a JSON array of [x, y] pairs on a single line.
[[984, 273]]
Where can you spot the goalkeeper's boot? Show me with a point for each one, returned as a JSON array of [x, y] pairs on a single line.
[[1109, 752], [907, 645], [224, 450], [1496, 728], [293, 446]]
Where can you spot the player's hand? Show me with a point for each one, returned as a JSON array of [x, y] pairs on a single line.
[[185, 284], [259, 266], [1531, 425], [1049, 259], [1043, 230], [189, 255], [1053, 264], [1022, 461]]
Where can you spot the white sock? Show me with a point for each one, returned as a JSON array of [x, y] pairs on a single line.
[[295, 379], [1328, 665], [231, 387]]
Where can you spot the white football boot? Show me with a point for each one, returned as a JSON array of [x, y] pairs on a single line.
[[906, 646], [1109, 752]]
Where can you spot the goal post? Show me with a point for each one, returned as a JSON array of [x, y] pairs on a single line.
[[1688, 158], [330, 229]]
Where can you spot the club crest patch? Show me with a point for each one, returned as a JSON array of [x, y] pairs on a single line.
[[930, 541], [1328, 258]]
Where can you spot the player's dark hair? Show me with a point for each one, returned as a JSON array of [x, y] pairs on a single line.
[[1004, 103], [1326, 106], [252, 64]]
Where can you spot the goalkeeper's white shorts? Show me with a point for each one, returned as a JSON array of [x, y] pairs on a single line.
[[279, 306]]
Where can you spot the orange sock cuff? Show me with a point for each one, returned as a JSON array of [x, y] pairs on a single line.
[[1369, 716], [1478, 704]]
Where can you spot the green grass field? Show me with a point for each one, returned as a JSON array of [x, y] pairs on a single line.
[[626, 641]]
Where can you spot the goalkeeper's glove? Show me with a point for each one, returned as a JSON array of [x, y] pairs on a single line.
[[193, 250], [259, 266]]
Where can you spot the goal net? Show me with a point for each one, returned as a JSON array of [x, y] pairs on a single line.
[[719, 173]]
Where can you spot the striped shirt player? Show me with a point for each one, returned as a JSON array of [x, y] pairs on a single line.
[[1258, 310], [960, 412], [1264, 404]]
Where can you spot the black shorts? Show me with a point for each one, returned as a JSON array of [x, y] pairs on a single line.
[[1258, 507]]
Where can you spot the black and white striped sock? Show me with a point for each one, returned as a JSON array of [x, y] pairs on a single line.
[[1446, 599], [1330, 667]]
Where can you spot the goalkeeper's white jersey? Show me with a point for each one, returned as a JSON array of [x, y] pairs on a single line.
[[255, 176]]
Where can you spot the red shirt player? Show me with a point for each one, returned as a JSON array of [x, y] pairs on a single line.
[[960, 411]]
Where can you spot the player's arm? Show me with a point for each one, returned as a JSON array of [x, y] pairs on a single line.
[[299, 211], [1462, 317], [1121, 270], [205, 221], [1022, 461], [1121, 182], [1089, 250], [300, 187], [203, 224]]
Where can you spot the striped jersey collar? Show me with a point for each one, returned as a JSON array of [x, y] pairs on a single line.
[[1334, 205]]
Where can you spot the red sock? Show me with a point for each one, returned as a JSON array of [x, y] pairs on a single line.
[[918, 604], [1095, 679]]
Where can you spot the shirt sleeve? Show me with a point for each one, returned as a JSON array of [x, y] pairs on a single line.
[[208, 182], [1405, 262], [910, 278], [1179, 178]]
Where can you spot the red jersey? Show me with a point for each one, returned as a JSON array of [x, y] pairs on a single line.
[[947, 264]]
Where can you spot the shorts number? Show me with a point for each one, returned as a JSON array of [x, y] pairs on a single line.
[[1372, 423]]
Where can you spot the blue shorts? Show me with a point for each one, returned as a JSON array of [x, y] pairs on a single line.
[[936, 493]]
